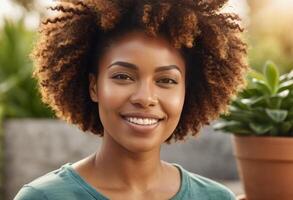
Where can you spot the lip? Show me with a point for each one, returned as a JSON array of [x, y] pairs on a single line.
[[142, 115], [141, 129]]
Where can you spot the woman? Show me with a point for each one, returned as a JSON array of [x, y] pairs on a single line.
[[137, 73]]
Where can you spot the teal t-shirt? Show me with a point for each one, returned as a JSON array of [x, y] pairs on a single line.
[[66, 184]]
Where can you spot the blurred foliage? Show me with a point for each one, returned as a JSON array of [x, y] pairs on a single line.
[[18, 91], [1, 161], [262, 48], [270, 33]]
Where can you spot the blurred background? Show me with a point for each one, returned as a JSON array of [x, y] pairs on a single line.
[[23, 117]]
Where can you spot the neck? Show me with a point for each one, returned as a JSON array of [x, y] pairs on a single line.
[[126, 168]]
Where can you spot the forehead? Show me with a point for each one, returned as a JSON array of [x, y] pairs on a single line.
[[139, 48]]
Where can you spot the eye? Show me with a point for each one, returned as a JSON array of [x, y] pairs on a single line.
[[122, 77], [168, 81]]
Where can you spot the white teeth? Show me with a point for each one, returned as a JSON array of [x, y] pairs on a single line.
[[142, 121]]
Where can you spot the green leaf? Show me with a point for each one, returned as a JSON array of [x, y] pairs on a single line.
[[290, 75], [254, 102], [283, 78], [239, 104], [274, 102], [2, 112], [272, 76], [244, 117], [260, 115], [262, 86], [286, 77], [285, 127], [255, 74], [250, 92], [286, 85], [260, 129], [275, 131], [258, 102], [276, 115], [283, 94], [287, 103], [232, 127], [290, 114]]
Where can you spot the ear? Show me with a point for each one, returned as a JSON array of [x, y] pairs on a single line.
[[93, 87]]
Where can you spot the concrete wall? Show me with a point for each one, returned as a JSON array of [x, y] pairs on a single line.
[[35, 147]]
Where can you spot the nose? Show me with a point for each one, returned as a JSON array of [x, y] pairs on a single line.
[[144, 95]]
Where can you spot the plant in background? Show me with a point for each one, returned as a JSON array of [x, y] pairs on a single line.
[[18, 91], [266, 42], [264, 108]]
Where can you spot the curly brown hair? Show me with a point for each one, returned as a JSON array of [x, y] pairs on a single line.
[[210, 41]]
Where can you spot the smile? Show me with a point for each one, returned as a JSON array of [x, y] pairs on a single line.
[[142, 121], [141, 125]]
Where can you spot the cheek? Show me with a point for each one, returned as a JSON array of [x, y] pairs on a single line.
[[110, 100], [110, 95], [172, 102]]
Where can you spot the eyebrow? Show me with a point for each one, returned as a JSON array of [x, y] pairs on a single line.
[[134, 67]]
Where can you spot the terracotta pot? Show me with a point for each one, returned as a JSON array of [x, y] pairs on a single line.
[[265, 165]]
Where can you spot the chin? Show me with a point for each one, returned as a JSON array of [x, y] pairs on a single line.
[[142, 147]]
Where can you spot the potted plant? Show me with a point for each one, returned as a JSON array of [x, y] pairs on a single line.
[[261, 120]]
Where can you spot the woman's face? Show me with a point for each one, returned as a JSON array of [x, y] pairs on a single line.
[[140, 91]]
